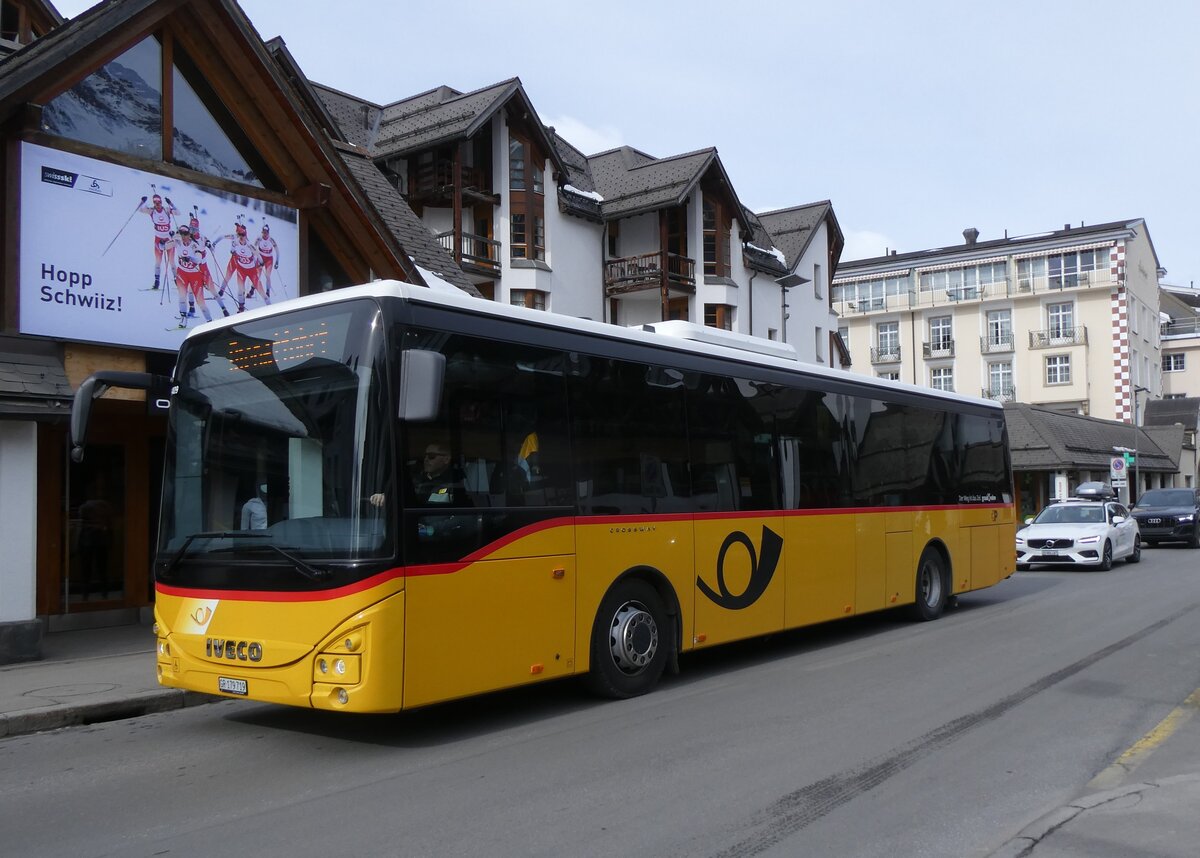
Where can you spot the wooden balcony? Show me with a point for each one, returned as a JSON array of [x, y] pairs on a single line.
[[477, 252], [637, 273]]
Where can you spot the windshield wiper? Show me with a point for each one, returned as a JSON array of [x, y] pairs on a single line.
[[308, 571], [209, 534]]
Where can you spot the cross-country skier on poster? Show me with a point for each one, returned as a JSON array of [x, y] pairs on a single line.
[[210, 285], [244, 261], [268, 249], [160, 217], [189, 272]]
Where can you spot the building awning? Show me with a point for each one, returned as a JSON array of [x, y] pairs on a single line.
[[962, 263], [1045, 251], [879, 275]]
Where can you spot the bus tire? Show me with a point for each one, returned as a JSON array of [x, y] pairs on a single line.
[[932, 586], [631, 641]]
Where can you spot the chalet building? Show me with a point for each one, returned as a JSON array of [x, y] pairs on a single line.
[[119, 128], [619, 236]]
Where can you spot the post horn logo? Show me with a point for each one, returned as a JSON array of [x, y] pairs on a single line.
[[201, 615], [762, 569]]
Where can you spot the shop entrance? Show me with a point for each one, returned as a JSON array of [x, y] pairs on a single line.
[[97, 520]]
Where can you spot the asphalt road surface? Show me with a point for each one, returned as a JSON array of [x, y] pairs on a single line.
[[872, 737]]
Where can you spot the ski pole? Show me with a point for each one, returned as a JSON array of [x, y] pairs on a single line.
[[136, 209]]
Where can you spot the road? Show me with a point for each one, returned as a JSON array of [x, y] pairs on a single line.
[[872, 737]]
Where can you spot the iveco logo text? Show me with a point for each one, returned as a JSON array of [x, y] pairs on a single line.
[[233, 650]]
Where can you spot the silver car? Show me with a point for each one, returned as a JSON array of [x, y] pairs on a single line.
[[1080, 532]]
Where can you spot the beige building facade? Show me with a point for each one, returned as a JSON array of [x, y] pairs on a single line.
[[1066, 320]]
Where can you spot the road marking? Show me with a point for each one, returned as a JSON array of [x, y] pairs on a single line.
[[1137, 753]]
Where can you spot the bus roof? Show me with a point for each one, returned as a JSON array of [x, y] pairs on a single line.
[[683, 337]]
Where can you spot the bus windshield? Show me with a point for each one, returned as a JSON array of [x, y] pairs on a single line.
[[280, 446]]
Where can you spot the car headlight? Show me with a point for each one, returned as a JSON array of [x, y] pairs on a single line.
[[1189, 517], [1088, 540], [1020, 539]]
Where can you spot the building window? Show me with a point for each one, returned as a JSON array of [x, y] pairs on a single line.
[[1058, 369], [1060, 320], [526, 204], [888, 335], [941, 333], [772, 334], [1174, 362], [1000, 380], [844, 333], [999, 330], [516, 164], [716, 238], [942, 378], [518, 244], [891, 375], [718, 316], [818, 287], [678, 308], [614, 233], [818, 345], [534, 299]]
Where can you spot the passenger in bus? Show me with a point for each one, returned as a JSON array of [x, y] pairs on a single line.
[[254, 511]]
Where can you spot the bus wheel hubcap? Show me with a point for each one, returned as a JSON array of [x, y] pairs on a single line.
[[931, 585], [633, 637]]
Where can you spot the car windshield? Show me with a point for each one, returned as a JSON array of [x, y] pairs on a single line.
[[1071, 514], [1167, 497], [278, 437]]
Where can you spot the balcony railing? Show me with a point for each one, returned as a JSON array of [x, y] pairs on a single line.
[[992, 343], [477, 250], [1058, 337], [1000, 393], [885, 354], [635, 273], [942, 296], [938, 349], [1180, 328]]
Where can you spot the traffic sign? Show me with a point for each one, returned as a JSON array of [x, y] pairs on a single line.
[[1116, 468]]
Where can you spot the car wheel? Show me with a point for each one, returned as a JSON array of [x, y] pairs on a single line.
[[1106, 557], [932, 586], [631, 640], [1136, 556]]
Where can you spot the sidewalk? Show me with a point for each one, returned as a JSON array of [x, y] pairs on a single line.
[[84, 677], [1146, 804]]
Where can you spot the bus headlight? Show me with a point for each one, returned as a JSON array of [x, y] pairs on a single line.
[[347, 669]]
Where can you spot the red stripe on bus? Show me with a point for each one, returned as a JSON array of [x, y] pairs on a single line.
[[528, 530]]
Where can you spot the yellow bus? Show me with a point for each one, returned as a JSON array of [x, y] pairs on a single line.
[[389, 496]]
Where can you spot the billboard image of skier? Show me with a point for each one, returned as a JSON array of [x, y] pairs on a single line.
[[112, 254]]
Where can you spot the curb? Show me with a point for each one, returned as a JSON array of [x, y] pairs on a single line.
[[55, 717]]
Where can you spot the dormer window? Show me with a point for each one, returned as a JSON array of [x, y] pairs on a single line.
[[527, 200], [716, 239]]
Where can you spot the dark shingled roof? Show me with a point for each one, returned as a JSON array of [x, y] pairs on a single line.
[[792, 229], [32, 380], [633, 182], [441, 114], [399, 218], [577, 174], [1168, 412], [1045, 440]]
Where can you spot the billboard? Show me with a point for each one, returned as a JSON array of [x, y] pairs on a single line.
[[111, 254]]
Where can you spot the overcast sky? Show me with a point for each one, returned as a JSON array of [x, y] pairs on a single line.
[[915, 119]]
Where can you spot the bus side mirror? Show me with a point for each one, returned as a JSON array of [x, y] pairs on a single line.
[[421, 375], [94, 387]]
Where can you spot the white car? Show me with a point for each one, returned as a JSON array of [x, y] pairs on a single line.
[[1083, 532]]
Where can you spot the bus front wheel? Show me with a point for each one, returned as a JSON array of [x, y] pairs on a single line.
[[631, 640], [932, 589]]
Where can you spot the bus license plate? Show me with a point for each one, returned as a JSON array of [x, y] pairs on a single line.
[[232, 686]]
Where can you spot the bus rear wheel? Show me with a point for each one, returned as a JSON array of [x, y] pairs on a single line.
[[630, 641], [932, 589]]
